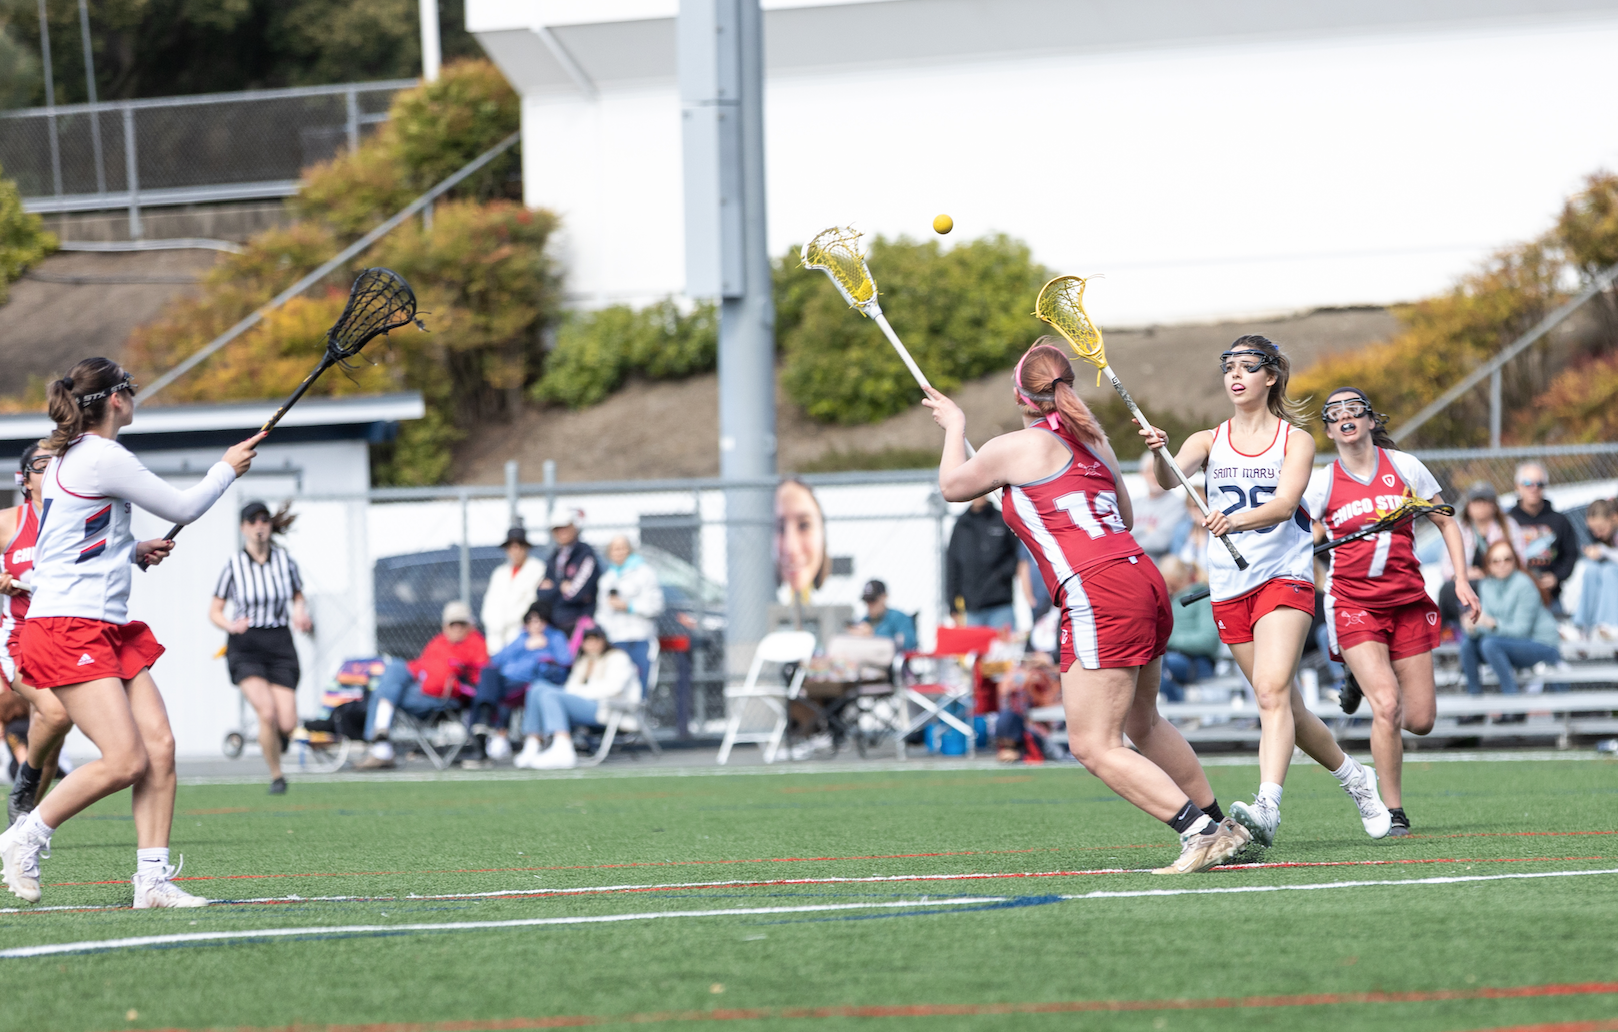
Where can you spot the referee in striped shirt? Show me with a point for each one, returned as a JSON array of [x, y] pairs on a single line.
[[265, 590]]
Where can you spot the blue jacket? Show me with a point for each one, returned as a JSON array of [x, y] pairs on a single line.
[[1514, 603], [897, 625], [520, 664]]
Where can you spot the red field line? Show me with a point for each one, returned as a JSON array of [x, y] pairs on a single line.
[[926, 1010]]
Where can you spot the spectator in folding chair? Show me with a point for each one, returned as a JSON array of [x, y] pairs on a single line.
[[630, 599], [600, 674], [539, 654], [882, 621], [432, 683]]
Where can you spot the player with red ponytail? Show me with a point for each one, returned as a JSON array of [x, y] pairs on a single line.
[[1063, 496]]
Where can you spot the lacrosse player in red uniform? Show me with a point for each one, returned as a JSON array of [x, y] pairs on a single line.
[[1063, 496], [1379, 618]]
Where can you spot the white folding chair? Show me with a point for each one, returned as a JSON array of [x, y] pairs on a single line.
[[626, 715], [779, 647]]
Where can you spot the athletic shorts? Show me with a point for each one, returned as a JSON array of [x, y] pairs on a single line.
[[1115, 614], [1236, 616], [63, 650], [265, 652], [1407, 630]]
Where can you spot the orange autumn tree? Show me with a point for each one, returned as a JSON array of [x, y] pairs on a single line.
[[485, 282]]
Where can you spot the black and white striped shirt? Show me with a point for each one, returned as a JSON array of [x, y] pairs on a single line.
[[262, 592]]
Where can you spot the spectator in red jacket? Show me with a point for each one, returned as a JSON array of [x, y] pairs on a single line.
[[445, 673]]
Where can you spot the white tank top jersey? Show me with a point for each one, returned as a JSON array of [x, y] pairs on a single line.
[[85, 549], [1238, 481]]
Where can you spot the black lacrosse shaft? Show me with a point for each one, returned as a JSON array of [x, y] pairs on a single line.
[[269, 424], [1326, 546]]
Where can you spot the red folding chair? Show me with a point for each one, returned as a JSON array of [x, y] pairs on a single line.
[[935, 698]]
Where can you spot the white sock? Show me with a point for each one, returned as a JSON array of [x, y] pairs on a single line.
[[151, 861], [1269, 791], [1348, 771], [384, 716], [1198, 824], [36, 827]]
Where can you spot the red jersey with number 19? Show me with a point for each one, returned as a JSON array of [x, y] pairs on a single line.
[[1380, 571], [1070, 519], [1112, 599]]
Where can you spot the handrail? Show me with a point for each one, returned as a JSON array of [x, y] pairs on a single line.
[[280, 93], [331, 265]]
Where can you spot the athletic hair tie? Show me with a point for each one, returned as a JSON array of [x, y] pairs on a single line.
[[67, 382]]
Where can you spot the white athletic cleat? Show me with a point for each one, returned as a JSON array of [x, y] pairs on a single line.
[[19, 860], [1198, 852], [157, 889], [560, 756], [1362, 789], [1261, 819]]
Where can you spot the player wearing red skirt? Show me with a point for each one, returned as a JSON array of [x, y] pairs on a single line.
[[1379, 617], [78, 640], [1258, 464], [19, 528], [1062, 495]]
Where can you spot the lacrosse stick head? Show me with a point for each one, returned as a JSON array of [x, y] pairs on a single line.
[[836, 252], [1061, 304], [379, 301], [1412, 505]]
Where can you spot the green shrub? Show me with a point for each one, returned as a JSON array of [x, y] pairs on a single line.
[[961, 314], [596, 350], [432, 130], [23, 240]]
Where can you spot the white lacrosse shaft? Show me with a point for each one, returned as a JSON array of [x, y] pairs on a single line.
[[1185, 482], [874, 310]]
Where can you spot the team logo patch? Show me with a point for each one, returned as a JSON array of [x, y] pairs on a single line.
[[1088, 469], [1354, 619], [1432, 619], [85, 660], [1387, 478]]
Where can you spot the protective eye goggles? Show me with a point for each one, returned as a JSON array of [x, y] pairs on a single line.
[[1338, 410], [1251, 361], [126, 384], [35, 466]]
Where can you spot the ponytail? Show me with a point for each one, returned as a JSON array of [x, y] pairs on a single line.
[[283, 519], [78, 401], [1044, 381]]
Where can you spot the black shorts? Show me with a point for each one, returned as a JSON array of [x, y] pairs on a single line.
[[265, 652]]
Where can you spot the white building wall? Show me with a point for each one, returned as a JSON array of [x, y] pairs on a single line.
[[1202, 180]]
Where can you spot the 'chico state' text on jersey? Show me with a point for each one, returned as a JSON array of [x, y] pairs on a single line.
[[1381, 570]]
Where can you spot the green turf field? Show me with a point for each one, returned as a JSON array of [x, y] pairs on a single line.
[[348, 873]]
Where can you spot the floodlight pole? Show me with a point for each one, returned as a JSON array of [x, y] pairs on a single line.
[[431, 52], [721, 71]]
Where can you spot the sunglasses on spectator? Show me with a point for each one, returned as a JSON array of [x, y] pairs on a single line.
[[1531, 483], [1502, 559]]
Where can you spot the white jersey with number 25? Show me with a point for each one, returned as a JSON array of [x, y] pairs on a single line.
[[1238, 481]]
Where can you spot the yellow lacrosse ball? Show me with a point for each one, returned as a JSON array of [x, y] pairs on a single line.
[[943, 224]]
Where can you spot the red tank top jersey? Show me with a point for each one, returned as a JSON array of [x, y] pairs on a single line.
[[19, 559], [1069, 520], [1380, 571]]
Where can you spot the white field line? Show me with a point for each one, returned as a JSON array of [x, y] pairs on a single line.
[[587, 890], [1441, 880], [914, 766], [456, 926]]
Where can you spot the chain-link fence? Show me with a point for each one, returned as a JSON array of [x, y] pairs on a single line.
[[183, 150], [426, 547]]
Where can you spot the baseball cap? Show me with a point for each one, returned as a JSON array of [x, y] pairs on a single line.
[[457, 612], [516, 536], [872, 589], [566, 516], [253, 510], [1482, 489]]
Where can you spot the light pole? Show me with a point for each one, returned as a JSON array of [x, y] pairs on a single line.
[[90, 90], [431, 53], [50, 98]]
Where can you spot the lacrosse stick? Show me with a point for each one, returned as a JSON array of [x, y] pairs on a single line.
[[379, 301], [836, 252], [1061, 304], [1408, 509]]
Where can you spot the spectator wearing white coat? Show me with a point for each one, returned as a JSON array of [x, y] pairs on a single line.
[[629, 600], [510, 591]]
